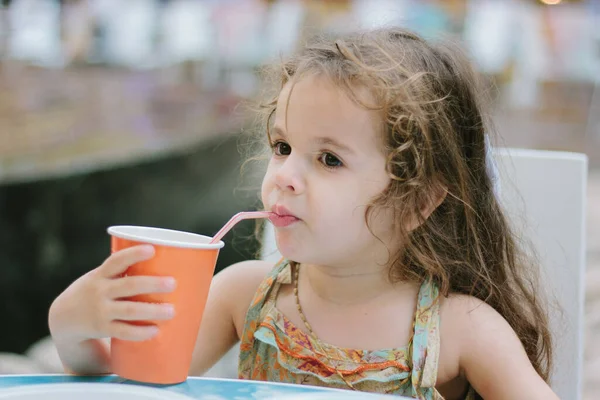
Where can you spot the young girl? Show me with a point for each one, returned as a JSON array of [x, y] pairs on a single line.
[[401, 274]]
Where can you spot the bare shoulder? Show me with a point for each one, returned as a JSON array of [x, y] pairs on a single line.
[[483, 348], [467, 308], [470, 316], [243, 278], [466, 318], [237, 285], [461, 317], [230, 294], [253, 270]]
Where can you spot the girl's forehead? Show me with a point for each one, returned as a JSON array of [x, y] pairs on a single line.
[[316, 103]]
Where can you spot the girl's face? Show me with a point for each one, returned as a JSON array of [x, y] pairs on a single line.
[[327, 166]]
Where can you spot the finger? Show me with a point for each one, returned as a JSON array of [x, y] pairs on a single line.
[[133, 285], [118, 262], [141, 311], [125, 331]]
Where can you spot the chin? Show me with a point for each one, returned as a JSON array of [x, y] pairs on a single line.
[[288, 251], [303, 249], [291, 249], [301, 255]]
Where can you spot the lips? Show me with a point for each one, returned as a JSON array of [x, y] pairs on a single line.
[[282, 217]]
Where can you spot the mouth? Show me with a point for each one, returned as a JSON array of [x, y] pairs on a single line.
[[282, 217]]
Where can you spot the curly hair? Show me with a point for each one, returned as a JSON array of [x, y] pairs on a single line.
[[433, 135]]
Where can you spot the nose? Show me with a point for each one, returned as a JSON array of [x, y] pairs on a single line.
[[290, 176]]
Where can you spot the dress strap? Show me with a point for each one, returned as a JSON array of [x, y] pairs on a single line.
[[264, 299], [426, 339]]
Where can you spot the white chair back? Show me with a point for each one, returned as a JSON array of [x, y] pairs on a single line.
[[544, 195]]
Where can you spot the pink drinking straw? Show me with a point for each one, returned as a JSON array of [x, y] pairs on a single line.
[[237, 218]]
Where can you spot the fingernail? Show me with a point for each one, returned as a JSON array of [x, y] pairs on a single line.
[[170, 283], [169, 310], [148, 250]]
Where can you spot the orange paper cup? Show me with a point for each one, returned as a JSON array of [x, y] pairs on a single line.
[[190, 259]]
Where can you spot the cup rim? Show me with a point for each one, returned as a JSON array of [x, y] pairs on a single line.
[[129, 232]]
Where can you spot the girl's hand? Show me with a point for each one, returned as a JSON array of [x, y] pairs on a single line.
[[95, 305]]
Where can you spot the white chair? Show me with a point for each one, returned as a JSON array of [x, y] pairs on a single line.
[[543, 194]]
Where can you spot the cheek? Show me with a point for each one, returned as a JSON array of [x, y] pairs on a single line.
[[267, 187], [342, 213], [358, 203], [264, 196]]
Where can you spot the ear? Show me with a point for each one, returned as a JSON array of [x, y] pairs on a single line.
[[436, 196]]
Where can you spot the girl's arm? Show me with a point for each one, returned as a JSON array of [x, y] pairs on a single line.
[[490, 354], [230, 295]]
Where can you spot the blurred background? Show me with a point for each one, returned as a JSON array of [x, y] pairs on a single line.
[[130, 112]]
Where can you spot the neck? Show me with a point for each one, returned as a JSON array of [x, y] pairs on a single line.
[[347, 285]]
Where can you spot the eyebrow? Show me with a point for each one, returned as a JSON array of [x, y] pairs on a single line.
[[322, 140]]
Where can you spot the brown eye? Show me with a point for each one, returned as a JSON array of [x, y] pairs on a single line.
[[282, 149], [330, 161]]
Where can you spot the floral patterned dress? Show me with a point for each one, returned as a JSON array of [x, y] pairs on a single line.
[[273, 349]]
